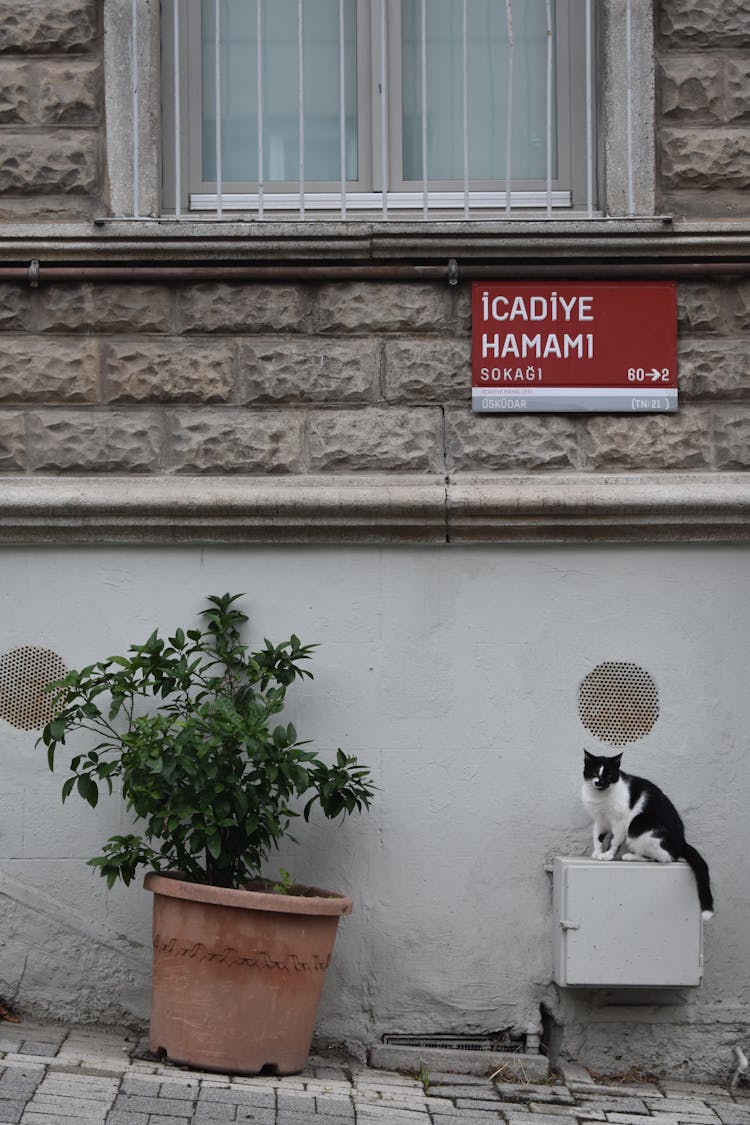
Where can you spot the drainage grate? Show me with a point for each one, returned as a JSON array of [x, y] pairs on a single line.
[[25, 672], [494, 1042], [618, 702]]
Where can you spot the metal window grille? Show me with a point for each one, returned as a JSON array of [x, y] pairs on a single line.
[[432, 200]]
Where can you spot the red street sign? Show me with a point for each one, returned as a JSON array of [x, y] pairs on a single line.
[[605, 346]]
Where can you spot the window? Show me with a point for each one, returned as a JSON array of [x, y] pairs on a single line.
[[388, 107]]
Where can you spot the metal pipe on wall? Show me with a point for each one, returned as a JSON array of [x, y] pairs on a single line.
[[36, 273]]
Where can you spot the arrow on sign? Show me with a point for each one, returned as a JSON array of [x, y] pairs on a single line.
[[654, 374]]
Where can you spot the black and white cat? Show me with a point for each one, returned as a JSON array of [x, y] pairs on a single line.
[[633, 811]]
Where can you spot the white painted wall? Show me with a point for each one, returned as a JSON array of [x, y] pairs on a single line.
[[453, 672]]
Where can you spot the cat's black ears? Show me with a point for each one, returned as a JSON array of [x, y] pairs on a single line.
[[594, 758]]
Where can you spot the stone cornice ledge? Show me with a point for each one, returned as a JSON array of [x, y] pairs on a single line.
[[139, 509], [586, 507], [543, 508]]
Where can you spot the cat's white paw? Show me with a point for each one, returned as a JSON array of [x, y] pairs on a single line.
[[605, 856], [707, 915], [630, 855]]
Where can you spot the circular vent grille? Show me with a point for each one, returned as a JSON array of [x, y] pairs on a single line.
[[24, 674], [618, 702]]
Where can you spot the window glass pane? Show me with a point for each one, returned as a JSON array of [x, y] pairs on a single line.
[[280, 102], [239, 129], [488, 49]]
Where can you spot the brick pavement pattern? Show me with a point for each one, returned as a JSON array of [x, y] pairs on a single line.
[[52, 1075]]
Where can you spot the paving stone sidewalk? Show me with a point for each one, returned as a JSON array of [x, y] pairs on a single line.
[[52, 1075]]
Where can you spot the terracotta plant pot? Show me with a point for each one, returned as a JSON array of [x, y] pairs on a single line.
[[238, 974]]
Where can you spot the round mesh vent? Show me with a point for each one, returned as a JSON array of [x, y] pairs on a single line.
[[24, 673], [618, 702]]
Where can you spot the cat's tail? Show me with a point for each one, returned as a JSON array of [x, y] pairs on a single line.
[[700, 870]]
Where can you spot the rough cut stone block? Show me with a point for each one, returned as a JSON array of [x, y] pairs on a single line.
[[738, 89], [67, 441], [646, 442], [739, 305], [145, 372], [381, 307], [244, 308], [715, 22], [15, 105], [15, 307], [699, 306], [733, 439], [691, 88], [12, 441], [69, 94], [534, 441], [462, 308], [706, 158], [714, 369], [237, 441], [55, 25], [427, 370], [309, 370], [104, 308], [33, 369], [376, 439], [55, 162]]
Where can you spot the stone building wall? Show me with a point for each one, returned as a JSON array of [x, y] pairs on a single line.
[[331, 378], [468, 658], [703, 85], [51, 110], [52, 113]]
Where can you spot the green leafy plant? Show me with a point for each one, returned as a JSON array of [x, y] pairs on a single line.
[[189, 728], [285, 885]]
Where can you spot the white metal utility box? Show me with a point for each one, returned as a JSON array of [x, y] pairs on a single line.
[[621, 924]]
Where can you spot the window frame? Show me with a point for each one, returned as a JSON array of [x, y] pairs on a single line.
[[135, 183], [569, 53], [378, 158], [191, 96]]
